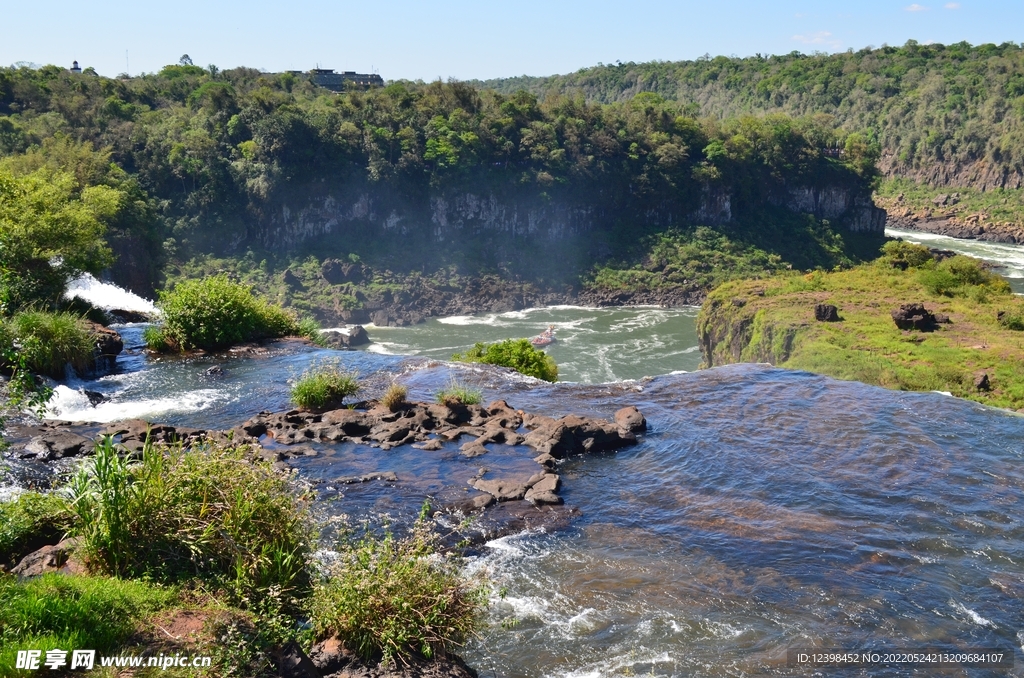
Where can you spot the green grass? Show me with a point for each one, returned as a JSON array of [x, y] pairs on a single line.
[[395, 597], [456, 393], [31, 521], [210, 514], [59, 611], [51, 341], [776, 324], [215, 312], [325, 385], [518, 354]]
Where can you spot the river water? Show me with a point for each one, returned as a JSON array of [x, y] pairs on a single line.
[[764, 510]]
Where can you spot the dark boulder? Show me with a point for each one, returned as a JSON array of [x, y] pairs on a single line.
[[58, 558], [913, 317], [826, 313], [630, 419], [981, 382], [108, 342], [292, 662], [340, 272], [357, 336], [293, 281]]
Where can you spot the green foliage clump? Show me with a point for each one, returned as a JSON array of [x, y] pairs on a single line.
[[324, 385], [50, 341], [903, 255], [310, 328], [60, 611], [1012, 320], [29, 522], [207, 513], [962, 276], [457, 393], [51, 229], [394, 397], [519, 354], [215, 312], [397, 598]]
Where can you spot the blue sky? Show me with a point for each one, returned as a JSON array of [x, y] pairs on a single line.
[[471, 39]]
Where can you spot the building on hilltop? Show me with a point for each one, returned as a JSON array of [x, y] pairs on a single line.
[[75, 69], [336, 82]]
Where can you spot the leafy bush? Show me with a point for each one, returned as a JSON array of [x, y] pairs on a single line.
[[961, 276], [394, 397], [456, 393], [324, 386], [1012, 320], [208, 513], [56, 610], [31, 521], [519, 354], [50, 341], [310, 328], [396, 597], [903, 254], [215, 312]]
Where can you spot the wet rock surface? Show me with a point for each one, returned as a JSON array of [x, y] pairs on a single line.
[[515, 498]]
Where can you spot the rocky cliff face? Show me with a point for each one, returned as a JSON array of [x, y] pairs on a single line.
[[979, 174], [452, 216]]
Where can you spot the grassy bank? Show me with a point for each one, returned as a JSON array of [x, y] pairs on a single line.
[[773, 320], [211, 541]]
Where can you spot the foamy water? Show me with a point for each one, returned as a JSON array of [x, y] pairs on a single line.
[[1009, 257], [108, 297]]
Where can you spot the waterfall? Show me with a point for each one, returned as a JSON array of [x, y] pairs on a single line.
[[108, 297]]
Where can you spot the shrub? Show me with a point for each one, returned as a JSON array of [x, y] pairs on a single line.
[[51, 341], [903, 254], [310, 328], [56, 610], [458, 394], [324, 386], [215, 312], [1012, 320], [962, 276], [396, 597], [208, 513], [519, 354], [31, 521], [394, 397], [155, 339]]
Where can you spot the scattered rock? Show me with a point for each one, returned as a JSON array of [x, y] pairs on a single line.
[[739, 303], [292, 662], [58, 558], [57, 445], [502, 489], [630, 419], [386, 476], [826, 313], [95, 397], [913, 317], [120, 315], [215, 371], [543, 498], [942, 319]]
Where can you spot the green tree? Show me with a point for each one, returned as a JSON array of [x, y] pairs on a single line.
[[50, 232]]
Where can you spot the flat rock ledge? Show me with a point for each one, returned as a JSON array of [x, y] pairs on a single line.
[[426, 426]]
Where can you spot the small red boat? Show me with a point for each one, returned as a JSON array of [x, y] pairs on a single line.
[[545, 338]]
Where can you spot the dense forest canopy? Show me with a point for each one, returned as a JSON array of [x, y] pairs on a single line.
[[203, 154], [944, 114]]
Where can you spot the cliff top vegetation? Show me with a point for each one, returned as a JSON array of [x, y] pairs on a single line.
[[773, 320], [943, 114]]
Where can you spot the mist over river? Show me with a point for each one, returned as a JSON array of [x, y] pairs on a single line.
[[764, 510]]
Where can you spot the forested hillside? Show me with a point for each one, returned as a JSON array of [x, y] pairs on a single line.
[[943, 114], [211, 158]]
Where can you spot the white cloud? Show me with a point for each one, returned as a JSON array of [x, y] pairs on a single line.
[[916, 8], [818, 38], [952, 5]]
